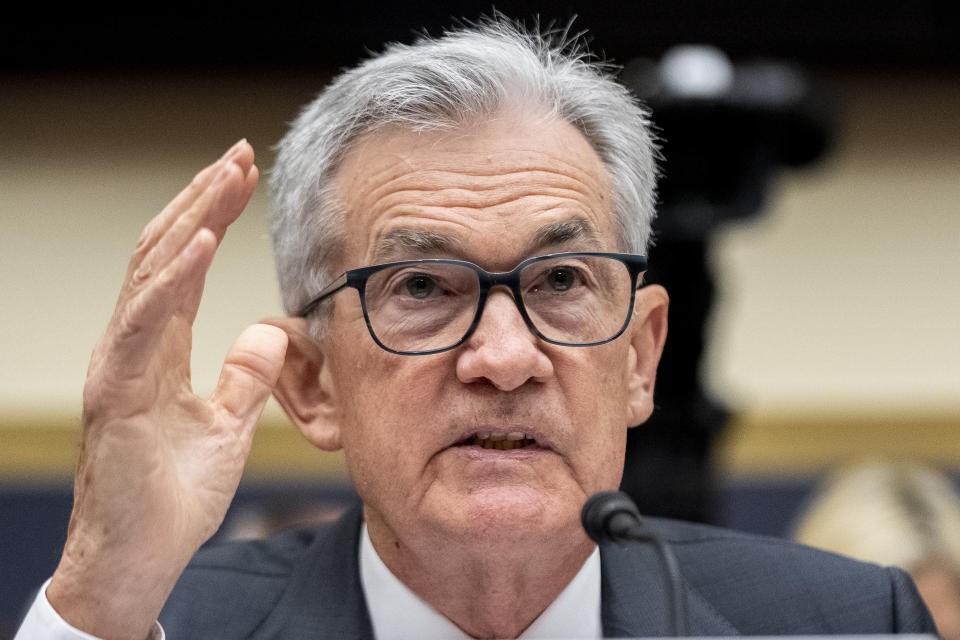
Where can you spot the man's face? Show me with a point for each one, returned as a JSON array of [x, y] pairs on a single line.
[[493, 194]]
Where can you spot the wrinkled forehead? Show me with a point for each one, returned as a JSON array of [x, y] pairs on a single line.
[[508, 183]]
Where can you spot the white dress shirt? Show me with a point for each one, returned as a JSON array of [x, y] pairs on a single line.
[[44, 623], [396, 613]]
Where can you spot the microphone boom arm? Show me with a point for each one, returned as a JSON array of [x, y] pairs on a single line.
[[611, 516]]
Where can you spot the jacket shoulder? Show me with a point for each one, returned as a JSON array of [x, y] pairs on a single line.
[[765, 585], [228, 589]]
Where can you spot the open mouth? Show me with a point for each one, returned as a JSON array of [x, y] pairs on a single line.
[[500, 441]]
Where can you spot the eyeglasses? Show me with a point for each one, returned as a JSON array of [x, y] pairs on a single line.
[[419, 307]]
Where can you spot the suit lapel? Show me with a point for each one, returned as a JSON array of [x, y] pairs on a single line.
[[634, 597], [324, 598]]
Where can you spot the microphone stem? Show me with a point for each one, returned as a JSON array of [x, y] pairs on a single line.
[[611, 516], [627, 527], [678, 603]]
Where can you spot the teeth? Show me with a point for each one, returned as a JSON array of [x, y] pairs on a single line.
[[502, 441]]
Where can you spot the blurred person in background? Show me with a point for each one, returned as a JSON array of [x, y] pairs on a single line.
[[896, 514]]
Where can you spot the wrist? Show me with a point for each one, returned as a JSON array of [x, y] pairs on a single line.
[[110, 596]]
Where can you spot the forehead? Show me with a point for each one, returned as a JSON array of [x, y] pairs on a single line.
[[492, 189]]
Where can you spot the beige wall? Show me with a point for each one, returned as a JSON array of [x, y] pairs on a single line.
[[847, 295], [844, 297], [85, 163]]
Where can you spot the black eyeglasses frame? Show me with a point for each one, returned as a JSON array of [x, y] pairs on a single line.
[[357, 279]]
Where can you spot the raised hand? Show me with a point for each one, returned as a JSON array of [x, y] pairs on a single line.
[[158, 465]]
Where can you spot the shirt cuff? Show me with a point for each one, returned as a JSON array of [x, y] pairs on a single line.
[[42, 622]]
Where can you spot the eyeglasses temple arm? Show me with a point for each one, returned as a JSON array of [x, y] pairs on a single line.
[[328, 291]]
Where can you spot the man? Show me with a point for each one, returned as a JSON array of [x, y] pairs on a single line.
[[485, 197]]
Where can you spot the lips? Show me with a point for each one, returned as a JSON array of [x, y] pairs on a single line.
[[503, 440]]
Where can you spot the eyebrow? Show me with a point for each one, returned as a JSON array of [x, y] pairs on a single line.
[[564, 232], [402, 243]]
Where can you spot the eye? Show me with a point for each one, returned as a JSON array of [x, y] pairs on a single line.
[[562, 278], [419, 285]]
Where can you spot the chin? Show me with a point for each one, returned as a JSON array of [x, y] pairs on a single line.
[[512, 514]]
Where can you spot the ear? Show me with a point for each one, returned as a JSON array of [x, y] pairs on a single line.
[[305, 389], [648, 333]]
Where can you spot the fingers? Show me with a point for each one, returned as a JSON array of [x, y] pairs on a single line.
[[215, 206], [241, 152], [168, 269], [234, 202], [250, 372], [229, 204], [140, 322]]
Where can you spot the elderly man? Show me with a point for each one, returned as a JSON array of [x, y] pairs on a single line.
[[485, 199]]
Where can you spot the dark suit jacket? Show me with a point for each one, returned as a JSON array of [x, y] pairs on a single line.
[[306, 584]]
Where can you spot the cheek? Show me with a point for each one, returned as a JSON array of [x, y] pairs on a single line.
[[390, 414], [374, 386], [595, 384], [397, 391], [596, 392]]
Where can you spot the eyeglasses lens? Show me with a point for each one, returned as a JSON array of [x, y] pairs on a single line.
[[421, 306], [576, 299]]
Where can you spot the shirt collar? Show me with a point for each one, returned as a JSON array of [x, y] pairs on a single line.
[[398, 613]]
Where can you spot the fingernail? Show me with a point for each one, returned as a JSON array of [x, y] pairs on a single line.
[[239, 143]]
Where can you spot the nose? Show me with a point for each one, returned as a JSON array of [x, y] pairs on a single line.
[[502, 349]]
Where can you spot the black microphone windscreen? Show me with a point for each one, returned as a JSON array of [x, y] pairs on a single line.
[[600, 508]]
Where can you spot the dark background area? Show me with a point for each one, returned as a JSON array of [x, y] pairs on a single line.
[[881, 35]]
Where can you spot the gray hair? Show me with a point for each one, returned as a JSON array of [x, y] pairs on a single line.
[[469, 73]]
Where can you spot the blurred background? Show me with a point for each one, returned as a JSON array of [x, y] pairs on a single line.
[[809, 235]]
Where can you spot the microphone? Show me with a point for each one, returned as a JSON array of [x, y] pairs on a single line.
[[611, 516]]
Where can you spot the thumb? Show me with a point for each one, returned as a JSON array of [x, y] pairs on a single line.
[[249, 373]]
